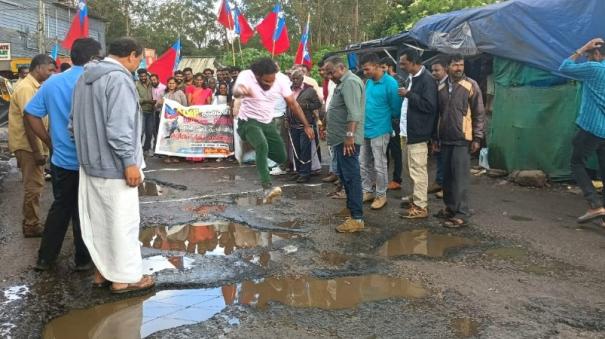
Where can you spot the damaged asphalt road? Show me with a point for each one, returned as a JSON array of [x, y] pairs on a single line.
[[229, 265]]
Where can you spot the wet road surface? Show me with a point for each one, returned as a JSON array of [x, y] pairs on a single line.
[[228, 264]]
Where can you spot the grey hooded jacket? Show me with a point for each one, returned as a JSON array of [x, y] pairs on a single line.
[[106, 119]]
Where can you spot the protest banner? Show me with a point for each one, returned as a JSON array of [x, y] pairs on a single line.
[[195, 131]]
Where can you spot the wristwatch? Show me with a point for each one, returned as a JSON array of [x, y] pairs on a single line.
[[350, 134]]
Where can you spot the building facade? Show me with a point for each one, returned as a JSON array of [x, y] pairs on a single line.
[[19, 20]]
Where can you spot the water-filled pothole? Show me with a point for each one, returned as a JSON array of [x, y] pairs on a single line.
[[150, 189], [215, 238], [142, 316], [421, 242]]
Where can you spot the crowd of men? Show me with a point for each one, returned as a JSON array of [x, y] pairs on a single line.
[[97, 123]]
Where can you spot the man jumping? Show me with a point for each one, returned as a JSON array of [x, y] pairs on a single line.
[[259, 88]]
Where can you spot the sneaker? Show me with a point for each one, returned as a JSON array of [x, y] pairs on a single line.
[[367, 197], [33, 231], [277, 171], [271, 193], [434, 188], [339, 195], [303, 179], [330, 178], [393, 186], [439, 195], [48, 176], [379, 202], [415, 212], [350, 225], [42, 265]]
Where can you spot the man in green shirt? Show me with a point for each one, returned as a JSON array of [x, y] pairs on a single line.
[[144, 89], [345, 136]]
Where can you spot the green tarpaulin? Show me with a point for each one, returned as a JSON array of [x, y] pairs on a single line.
[[532, 127]]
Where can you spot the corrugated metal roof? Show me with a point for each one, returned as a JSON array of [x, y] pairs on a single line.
[[197, 64]]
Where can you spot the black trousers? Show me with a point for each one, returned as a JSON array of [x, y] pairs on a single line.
[[456, 178], [62, 210], [394, 148], [302, 146], [584, 145], [148, 130]]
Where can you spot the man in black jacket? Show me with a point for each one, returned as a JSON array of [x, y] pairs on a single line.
[[418, 119]]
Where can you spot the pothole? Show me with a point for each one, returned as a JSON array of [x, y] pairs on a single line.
[[144, 315], [215, 238], [421, 242], [465, 327]]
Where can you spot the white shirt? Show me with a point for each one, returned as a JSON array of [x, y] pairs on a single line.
[[403, 122]]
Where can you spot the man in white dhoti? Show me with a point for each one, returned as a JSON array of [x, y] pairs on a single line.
[[107, 128]]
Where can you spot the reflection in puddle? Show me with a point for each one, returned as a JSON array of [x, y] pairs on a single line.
[[217, 238], [507, 253], [159, 263], [291, 224], [465, 327], [150, 189], [145, 315], [15, 293], [421, 242], [249, 201]]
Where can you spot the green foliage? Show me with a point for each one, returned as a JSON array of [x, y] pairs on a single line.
[[408, 12]]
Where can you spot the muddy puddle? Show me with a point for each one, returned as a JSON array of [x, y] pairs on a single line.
[[421, 242], [142, 316], [215, 238], [150, 189], [465, 327]]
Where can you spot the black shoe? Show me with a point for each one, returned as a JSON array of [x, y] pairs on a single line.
[[294, 177], [84, 267], [42, 265], [303, 179]]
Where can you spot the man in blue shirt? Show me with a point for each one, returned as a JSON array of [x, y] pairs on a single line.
[[591, 120], [54, 99], [382, 106]]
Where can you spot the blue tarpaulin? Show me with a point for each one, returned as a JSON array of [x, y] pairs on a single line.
[[540, 33]]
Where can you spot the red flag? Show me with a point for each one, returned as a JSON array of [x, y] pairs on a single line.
[[224, 16], [79, 26], [242, 27], [164, 65], [303, 55], [273, 31]]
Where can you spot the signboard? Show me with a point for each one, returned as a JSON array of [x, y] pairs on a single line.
[[5, 51], [195, 131]]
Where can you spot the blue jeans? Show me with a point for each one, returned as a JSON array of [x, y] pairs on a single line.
[[350, 176]]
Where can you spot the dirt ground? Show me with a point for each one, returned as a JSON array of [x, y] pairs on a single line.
[[229, 266]]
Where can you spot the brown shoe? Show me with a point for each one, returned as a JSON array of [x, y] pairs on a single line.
[[393, 186], [339, 195], [33, 231], [379, 202], [343, 213], [330, 178], [416, 212], [350, 226], [367, 197], [434, 188]]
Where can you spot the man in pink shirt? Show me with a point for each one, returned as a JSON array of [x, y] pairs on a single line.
[[259, 88]]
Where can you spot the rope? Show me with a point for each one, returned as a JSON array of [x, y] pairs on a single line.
[[313, 152]]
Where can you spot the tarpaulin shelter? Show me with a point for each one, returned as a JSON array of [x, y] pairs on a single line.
[[534, 109]]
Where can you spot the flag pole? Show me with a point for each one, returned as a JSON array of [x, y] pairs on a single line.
[[227, 33], [241, 56]]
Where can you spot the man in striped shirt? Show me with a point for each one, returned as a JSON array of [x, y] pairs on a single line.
[[591, 120]]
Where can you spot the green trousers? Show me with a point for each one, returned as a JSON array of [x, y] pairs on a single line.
[[267, 143]]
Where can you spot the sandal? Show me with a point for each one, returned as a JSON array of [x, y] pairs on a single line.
[[147, 282], [455, 223], [443, 214]]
